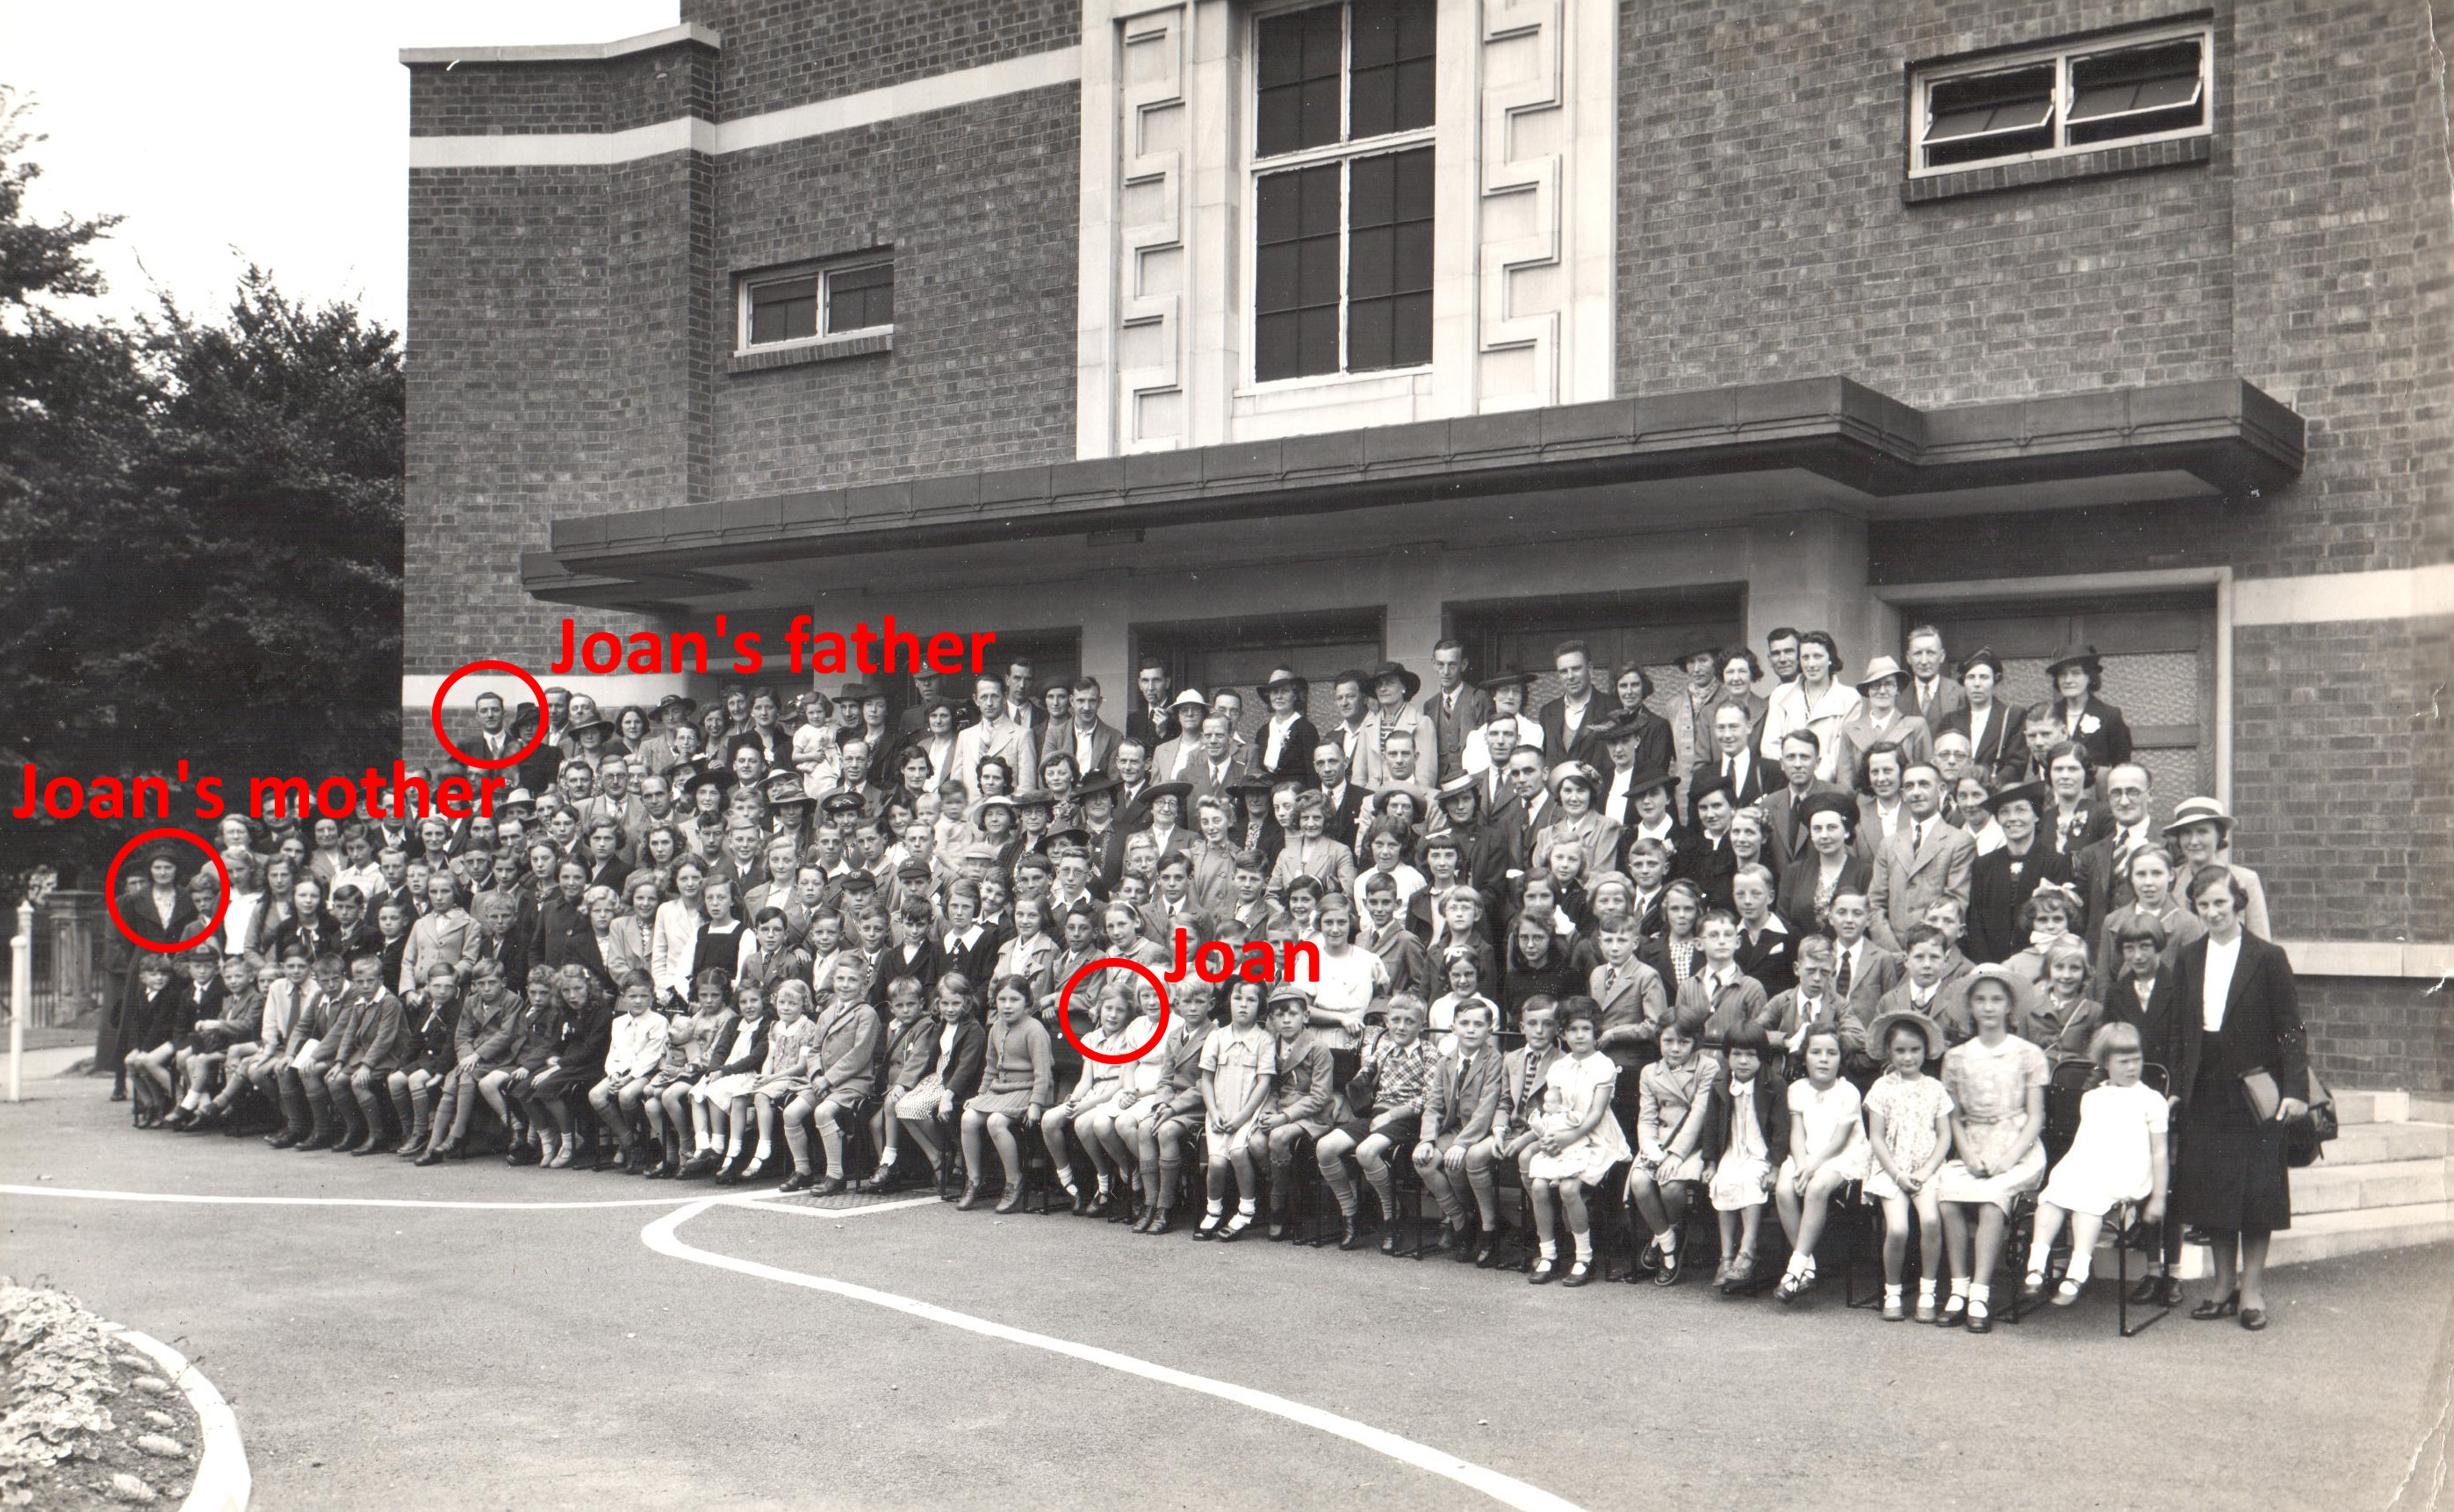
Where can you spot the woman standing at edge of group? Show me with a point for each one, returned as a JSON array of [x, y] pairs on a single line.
[[2240, 1071]]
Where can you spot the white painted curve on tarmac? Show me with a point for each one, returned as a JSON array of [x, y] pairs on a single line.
[[661, 1237], [91, 1194]]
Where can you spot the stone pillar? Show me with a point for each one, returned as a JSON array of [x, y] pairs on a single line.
[[1413, 623], [1809, 571]]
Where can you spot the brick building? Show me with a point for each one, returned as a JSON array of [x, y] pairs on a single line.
[[1241, 332]]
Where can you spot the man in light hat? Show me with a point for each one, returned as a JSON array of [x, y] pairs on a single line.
[[1389, 716]]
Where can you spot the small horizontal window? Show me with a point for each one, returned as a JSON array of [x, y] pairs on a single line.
[[2045, 104], [816, 303]]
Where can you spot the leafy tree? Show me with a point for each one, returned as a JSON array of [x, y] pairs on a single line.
[[200, 532]]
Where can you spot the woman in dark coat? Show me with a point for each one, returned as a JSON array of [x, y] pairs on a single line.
[[2088, 722], [2239, 1014], [156, 908]]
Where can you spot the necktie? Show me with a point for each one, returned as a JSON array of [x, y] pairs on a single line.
[[1840, 978], [1610, 984], [1916, 837], [1726, 762]]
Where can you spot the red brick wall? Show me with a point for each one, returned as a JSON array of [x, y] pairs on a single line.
[[2366, 1033], [779, 53], [1762, 235], [981, 206]]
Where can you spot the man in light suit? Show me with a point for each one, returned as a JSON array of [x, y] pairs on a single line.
[[1456, 708], [1931, 696], [1934, 859]]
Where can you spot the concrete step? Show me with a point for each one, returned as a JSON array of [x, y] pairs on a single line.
[[2330, 1186], [2327, 1235], [2372, 1107], [2374, 1143]]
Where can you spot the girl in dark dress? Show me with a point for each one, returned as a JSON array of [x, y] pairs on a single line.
[[2239, 1040]]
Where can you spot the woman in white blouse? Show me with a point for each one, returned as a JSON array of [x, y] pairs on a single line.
[[1816, 702], [673, 946]]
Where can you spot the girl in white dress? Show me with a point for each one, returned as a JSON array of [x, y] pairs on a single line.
[[1576, 1142], [2117, 1157], [1239, 1062], [1908, 1136], [1827, 1150]]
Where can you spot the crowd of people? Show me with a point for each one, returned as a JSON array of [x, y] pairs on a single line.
[[1776, 936]]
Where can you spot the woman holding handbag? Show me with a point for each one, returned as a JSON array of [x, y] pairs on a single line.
[[2240, 1067]]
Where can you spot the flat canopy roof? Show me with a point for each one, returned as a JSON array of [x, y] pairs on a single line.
[[1857, 449]]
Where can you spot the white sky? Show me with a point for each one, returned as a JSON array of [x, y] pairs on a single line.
[[275, 131]]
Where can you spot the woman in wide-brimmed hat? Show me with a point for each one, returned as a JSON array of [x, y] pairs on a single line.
[[2201, 832], [2077, 673], [1284, 744], [1880, 722]]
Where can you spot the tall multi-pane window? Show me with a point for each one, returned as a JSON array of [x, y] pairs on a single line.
[[1343, 188]]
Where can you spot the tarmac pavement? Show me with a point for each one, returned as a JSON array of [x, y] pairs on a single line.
[[546, 1356]]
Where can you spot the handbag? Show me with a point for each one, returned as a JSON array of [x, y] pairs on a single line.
[[2305, 1138]]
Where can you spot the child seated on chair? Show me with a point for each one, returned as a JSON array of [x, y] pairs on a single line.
[[1827, 1151], [1577, 1142], [1997, 1081], [1520, 1087], [1304, 1103], [1747, 1136], [1671, 1108], [1457, 1115], [1400, 1071], [1908, 1136], [2118, 1158], [1239, 1060], [1162, 1124], [1092, 1090], [843, 1075], [911, 1055]]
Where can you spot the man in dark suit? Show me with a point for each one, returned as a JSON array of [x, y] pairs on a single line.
[[1342, 800], [1931, 695], [1785, 824], [1572, 724], [1528, 808], [1151, 722], [2102, 868], [1456, 708], [492, 740], [1733, 760]]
